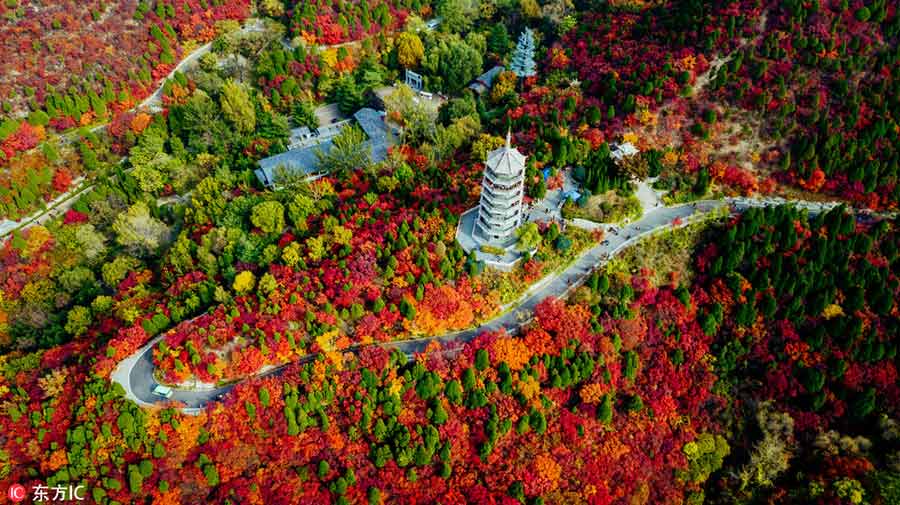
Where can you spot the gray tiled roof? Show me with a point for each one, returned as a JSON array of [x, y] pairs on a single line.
[[300, 131], [371, 121], [484, 81], [507, 161], [294, 161], [305, 160]]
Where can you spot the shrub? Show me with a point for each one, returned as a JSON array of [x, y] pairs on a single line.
[[863, 14]]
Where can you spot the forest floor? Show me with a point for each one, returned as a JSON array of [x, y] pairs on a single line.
[[608, 208], [668, 255]]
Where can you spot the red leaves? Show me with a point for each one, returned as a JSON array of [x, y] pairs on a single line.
[[61, 180], [23, 139], [247, 361], [62, 123], [578, 458], [734, 176], [557, 57], [119, 124], [815, 181], [126, 342], [331, 31], [72, 216], [631, 331], [93, 37], [565, 323], [444, 308]]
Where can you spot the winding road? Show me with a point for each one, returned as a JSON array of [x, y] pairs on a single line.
[[135, 373]]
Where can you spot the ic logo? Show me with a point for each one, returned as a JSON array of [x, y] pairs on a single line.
[[17, 493]]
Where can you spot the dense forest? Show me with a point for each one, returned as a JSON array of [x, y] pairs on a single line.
[[762, 368], [622, 373]]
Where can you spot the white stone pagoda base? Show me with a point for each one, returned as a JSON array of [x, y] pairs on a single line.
[[470, 241]]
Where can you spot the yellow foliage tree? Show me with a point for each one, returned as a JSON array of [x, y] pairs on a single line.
[[548, 471], [52, 383], [511, 351], [630, 137], [37, 237], [315, 247], [326, 341], [291, 254], [592, 393], [409, 50], [139, 122], [530, 8], [342, 235], [57, 460], [244, 282], [329, 56], [272, 8], [484, 144], [832, 310], [529, 387], [506, 83]]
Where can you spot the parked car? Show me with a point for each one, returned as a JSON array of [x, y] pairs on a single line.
[[164, 391]]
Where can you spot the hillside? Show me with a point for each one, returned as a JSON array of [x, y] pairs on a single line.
[[616, 252]]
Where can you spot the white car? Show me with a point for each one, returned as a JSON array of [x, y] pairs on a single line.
[[160, 390]]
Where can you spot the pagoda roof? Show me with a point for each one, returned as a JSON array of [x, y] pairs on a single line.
[[506, 160]]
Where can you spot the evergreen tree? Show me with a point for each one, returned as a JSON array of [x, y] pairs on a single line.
[[498, 40], [605, 410], [238, 107], [304, 114], [348, 95], [523, 58]]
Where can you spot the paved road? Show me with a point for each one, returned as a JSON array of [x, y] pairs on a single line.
[[560, 285], [135, 373], [154, 101]]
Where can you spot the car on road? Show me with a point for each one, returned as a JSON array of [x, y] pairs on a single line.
[[163, 391], [605, 242]]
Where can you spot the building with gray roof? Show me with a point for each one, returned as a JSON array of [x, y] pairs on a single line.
[[303, 160], [483, 82], [621, 151]]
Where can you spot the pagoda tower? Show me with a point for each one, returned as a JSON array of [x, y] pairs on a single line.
[[500, 207]]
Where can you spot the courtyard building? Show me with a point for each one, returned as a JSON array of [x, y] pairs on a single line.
[[301, 157]]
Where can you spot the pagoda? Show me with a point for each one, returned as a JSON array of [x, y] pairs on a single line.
[[500, 207]]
